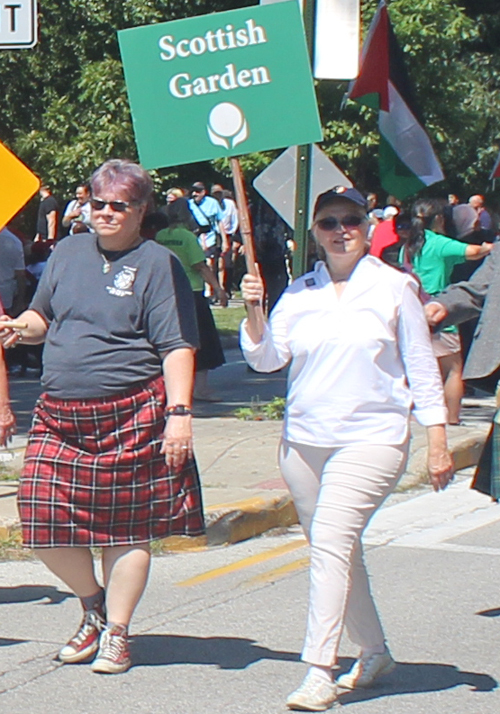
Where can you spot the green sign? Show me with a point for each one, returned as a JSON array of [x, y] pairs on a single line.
[[217, 85]]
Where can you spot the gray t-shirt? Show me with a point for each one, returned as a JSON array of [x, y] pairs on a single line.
[[109, 331]]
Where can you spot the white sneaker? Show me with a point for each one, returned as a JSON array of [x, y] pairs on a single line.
[[366, 670], [114, 655], [86, 641], [314, 695]]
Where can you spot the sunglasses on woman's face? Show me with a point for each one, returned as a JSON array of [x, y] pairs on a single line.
[[331, 223], [119, 206]]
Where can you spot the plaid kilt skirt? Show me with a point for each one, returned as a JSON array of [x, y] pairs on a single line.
[[94, 476]]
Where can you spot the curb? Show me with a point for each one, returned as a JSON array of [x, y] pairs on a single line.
[[235, 522]]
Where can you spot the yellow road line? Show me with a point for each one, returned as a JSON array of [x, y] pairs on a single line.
[[244, 563], [272, 575]]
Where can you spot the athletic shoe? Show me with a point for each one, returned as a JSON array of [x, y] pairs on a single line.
[[86, 641], [366, 670], [114, 655], [315, 694]]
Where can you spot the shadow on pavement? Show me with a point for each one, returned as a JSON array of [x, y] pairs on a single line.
[[225, 652], [29, 593], [494, 612], [415, 677], [5, 642]]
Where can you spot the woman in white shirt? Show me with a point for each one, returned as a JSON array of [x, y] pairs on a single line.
[[355, 335]]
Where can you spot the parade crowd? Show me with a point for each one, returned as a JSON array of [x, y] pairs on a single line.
[[113, 294]]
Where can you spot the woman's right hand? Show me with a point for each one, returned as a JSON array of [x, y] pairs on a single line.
[[252, 289], [8, 335]]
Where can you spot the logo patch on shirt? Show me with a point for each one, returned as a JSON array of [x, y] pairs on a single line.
[[123, 282], [310, 282]]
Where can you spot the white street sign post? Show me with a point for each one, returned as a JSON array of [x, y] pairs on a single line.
[[18, 24], [277, 182], [333, 35]]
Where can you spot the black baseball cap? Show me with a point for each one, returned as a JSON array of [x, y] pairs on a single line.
[[198, 186], [349, 194]]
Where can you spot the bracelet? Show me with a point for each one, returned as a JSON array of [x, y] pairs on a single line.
[[178, 410]]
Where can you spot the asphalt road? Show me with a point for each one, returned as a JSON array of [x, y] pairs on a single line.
[[221, 630]]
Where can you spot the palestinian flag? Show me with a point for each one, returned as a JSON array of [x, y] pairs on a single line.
[[406, 157]]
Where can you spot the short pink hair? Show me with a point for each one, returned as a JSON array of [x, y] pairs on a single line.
[[126, 175]]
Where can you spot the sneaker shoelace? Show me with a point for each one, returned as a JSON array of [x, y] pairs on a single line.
[[113, 644], [91, 621]]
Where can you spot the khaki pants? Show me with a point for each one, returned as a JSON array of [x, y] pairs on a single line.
[[336, 491]]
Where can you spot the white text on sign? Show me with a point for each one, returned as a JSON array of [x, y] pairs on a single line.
[[220, 40], [182, 85]]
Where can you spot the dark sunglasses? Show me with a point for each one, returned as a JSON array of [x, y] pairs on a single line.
[[119, 206], [331, 223]]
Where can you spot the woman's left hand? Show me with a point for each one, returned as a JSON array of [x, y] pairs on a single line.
[[440, 467], [177, 441], [439, 460]]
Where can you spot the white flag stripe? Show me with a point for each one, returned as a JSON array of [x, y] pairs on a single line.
[[409, 140]]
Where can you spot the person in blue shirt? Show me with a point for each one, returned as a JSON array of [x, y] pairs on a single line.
[[208, 214]]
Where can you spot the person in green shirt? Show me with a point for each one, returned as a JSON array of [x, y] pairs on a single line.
[[184, 244], [432, 256]]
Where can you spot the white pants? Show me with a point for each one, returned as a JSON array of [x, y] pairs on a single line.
[[336, 491]]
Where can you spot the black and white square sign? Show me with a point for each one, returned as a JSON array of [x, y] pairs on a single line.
[[18, 24]]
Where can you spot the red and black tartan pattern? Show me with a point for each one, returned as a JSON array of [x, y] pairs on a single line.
[[94, 475]]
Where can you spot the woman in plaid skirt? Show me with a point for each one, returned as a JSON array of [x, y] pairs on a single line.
[[110, 458]]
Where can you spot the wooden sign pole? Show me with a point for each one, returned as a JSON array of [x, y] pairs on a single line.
[[244, 216], [255, 310]]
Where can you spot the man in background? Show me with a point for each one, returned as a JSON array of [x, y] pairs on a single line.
[[78, 210], [208, 214], [48, 216], [477, 203], [230, 221]]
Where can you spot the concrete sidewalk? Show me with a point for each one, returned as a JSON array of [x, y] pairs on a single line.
[[243, 491]]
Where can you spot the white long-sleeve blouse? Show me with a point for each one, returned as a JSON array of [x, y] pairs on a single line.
[[359, 363]]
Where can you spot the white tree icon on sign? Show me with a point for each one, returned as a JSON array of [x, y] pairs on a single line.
[[227, 125]]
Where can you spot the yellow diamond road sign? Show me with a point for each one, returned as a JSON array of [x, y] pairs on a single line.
[[17, 185]]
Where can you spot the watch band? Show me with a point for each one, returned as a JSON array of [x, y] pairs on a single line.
[[178, 410]]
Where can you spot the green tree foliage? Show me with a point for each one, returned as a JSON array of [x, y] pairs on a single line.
[[65, 108]]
